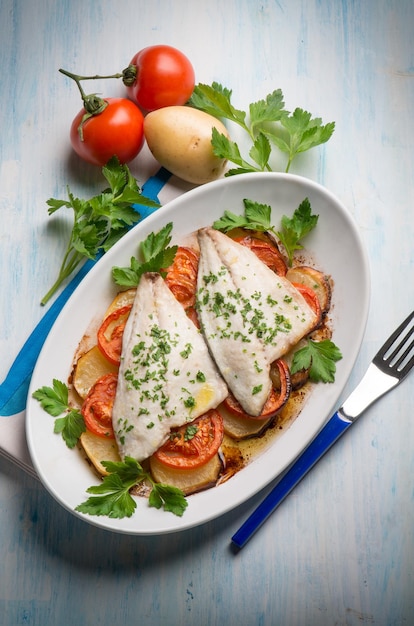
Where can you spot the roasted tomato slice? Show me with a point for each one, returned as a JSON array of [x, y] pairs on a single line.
[[97, 407], [267, 253], [111, 332], [312, 299], [276, 400], [193, 444], [192, 314], [181, 276]]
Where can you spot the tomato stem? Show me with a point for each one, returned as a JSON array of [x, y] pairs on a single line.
[[93, 104], [129, 75]]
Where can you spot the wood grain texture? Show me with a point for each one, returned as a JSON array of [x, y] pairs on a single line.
[[340, 551]]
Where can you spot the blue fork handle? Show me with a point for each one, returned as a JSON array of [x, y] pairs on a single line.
[[13, 390], [329, 434]]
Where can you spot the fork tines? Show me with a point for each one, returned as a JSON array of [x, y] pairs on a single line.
[[396, 356]]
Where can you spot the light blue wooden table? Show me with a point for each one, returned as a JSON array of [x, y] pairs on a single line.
[[340, 550]]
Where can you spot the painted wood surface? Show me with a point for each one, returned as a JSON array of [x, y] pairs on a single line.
[[340, 550]]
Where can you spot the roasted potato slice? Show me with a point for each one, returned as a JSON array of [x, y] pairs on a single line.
[[99, 449], [243, 427], [123, 298], [316, 280], [188, 480], [91, 366]]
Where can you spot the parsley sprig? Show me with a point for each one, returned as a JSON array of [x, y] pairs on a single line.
[[257, 216], [99, 222], [295, 228], [156, 255], [320, 358], [267, 123], [55, 401], [113, 499]]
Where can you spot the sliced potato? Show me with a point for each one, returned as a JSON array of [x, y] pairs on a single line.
[[189, 481], [99, 449], [243, 427], [91, 366], [123, 298], [316, 280]]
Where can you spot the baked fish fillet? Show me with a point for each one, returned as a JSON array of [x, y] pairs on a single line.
[[166, 376], [249, 316]]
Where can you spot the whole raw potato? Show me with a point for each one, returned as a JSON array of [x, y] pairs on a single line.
[[179, 137]]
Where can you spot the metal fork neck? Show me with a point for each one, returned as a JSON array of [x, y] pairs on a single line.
[[373, 385]]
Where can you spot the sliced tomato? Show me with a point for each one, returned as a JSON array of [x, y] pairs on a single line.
[[181, 276], [193, 444], [267, 253], [97, 407], [312, 300], [111, 332], [276, 400], [192, 314]]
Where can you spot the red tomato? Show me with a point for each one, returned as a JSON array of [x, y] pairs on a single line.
[[110, 334], [181, 276], [193, 444], [276, 400], [311, 298], [267, 253], [165, 77], [117, 131], [97, 407]]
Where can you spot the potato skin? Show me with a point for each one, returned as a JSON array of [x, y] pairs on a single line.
[[179, 138]]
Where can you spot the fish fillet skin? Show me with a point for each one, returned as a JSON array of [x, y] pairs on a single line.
[[249, 316], [166, 376]]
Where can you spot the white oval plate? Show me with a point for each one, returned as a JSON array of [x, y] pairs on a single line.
[[337, 248]]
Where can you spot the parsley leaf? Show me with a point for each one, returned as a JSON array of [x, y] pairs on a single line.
[[70, 427], [216, 100], [268, 122], [320, 357], [98, 223], [113, 499], [303, 133], [269, 110], [170, 498], [157, 255], [55, 401], [295, 228], [256, 217]]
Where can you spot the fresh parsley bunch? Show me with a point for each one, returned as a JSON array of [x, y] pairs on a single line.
[[267, 123], [257, 216], [99, 222]]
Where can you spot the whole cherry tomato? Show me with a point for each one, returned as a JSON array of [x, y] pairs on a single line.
[[164, 77], [117, 131]]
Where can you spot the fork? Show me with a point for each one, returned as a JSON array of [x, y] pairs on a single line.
[[388, 368]]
